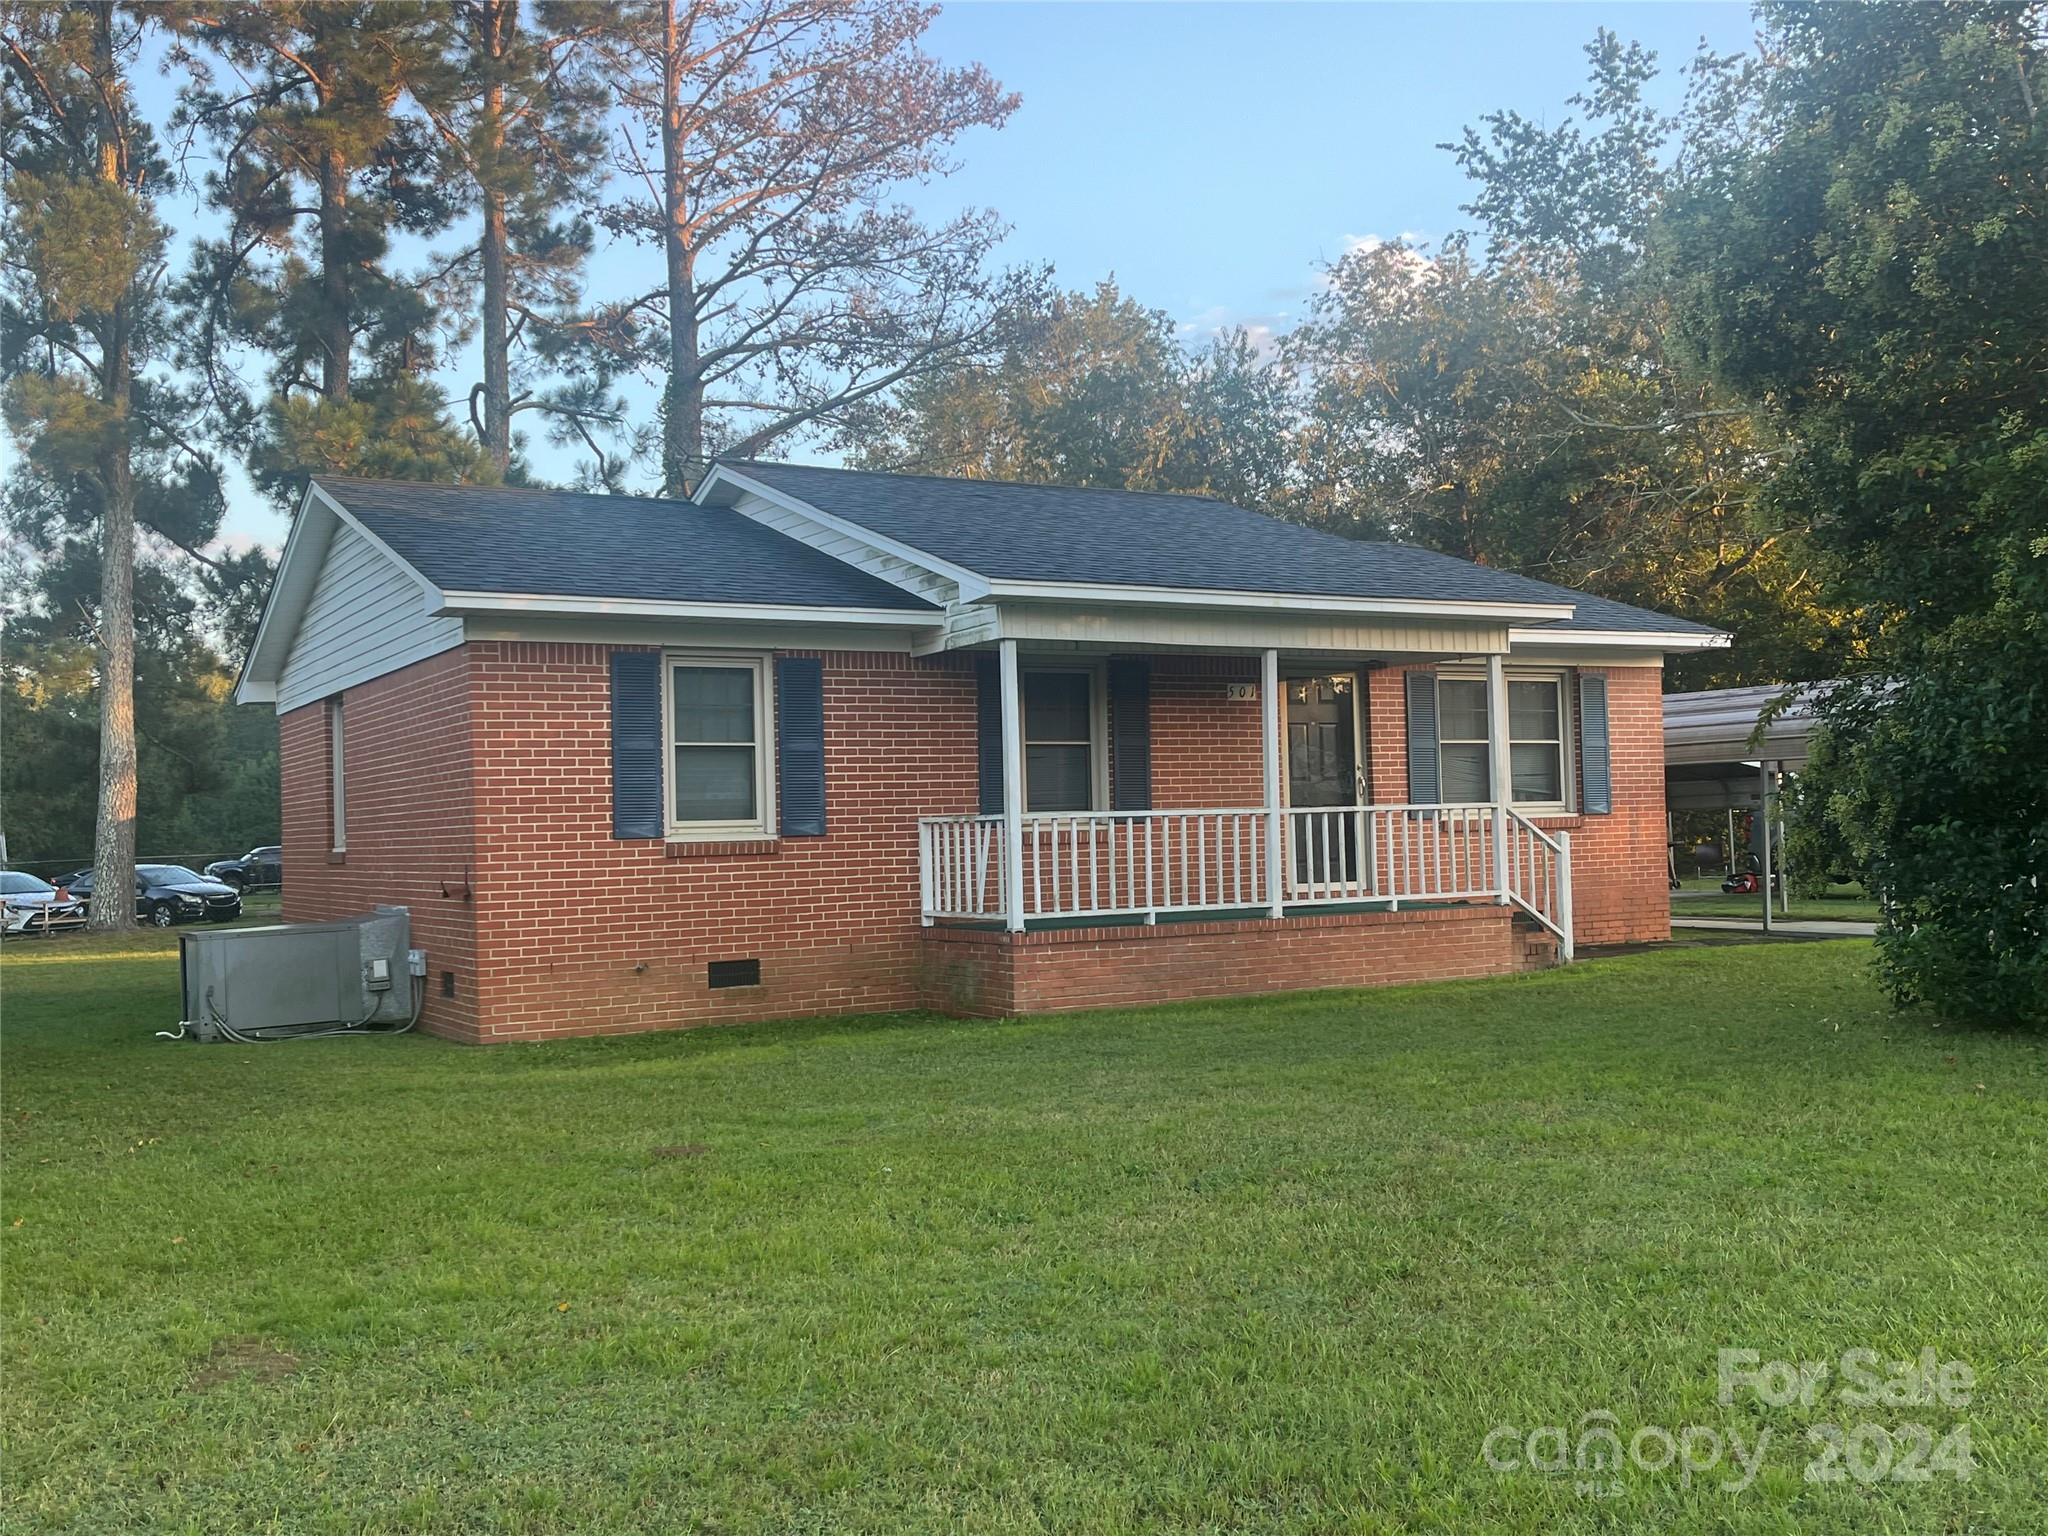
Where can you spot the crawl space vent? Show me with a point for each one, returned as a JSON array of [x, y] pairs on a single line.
[[734, 973]]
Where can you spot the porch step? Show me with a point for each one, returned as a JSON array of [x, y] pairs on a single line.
[[1536, 947]]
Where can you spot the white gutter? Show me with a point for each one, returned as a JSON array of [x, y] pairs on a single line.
[[1624, 639]]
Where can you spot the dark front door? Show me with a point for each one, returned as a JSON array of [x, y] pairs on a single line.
[[1322, 740], [1322, 771]]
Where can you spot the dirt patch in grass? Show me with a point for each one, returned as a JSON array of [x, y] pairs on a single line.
[[242, 1357]]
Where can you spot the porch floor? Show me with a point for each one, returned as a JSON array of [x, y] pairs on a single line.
[[1206, 915]]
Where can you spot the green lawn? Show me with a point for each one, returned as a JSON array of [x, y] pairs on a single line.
[[1277, 1266], [1839, 903]]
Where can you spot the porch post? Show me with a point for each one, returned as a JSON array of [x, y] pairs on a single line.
[[1763, 834], [1500, 775], [1013, 786], [1270, 705]]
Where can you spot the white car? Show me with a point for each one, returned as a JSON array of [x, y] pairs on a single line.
[[36, 906]]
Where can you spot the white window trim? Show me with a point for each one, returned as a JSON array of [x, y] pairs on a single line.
[[1567, 744], [337, 775], [1098, 733], [762, 827]]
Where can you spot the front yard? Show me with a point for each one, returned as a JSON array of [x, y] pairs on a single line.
[[1279, 1266]]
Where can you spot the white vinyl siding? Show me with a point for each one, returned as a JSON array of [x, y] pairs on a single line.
[[849, 549], [366, 617], [1234, 631]]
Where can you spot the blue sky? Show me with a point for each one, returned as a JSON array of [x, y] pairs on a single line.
[[1213, 157]]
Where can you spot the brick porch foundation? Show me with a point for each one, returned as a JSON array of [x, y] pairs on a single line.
[[993, 973]]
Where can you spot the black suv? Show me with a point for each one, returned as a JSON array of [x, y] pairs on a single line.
[[170, 893], [259, 868]]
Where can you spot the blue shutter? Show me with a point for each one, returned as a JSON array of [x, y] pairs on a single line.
[[1596, 776], [636, 744], [1130, 733], [1422, 734], [800, 744], [988, 718]]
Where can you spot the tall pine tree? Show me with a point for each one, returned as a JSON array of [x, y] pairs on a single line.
[[518, 107], [318, 169], [84, 254]]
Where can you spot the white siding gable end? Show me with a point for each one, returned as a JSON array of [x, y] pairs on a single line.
[[367, 616]]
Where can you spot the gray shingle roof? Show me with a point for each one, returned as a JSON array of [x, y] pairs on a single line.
[[490, 539], [1009, 531]]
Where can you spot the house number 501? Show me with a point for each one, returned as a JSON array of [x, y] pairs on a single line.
[[1240, 690]]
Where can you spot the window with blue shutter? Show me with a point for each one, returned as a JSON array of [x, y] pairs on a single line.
[[1130, 733], [1422, 738], [636, 745], [800, 744], [1596, 773], [988, 717]]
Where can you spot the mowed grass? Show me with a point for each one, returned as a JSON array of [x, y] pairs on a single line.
[[1271, 1266], [1703, 897]]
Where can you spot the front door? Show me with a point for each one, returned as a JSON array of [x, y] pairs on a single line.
[[1322, 771]]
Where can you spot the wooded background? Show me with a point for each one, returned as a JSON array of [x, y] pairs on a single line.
[[1774, 361]]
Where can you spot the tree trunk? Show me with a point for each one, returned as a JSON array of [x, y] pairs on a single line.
[[113, 850], [497, 21], [335, 335], [682, 438]]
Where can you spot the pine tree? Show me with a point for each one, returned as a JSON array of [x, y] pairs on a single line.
[[319, 167], [84, 249], [517, 109]]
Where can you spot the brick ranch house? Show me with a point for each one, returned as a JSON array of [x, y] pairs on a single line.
[[819, 741]]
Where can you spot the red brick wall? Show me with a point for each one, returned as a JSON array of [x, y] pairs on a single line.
[[411, 825], [494, 761], [1619, 888], [1051, 970], [586, 934], [1205, 748]]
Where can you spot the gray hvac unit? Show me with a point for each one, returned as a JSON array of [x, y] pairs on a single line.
[[271, 983]]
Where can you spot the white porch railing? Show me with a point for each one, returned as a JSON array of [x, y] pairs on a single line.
[[1144, 863]]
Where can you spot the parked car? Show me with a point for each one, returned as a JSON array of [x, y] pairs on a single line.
[[36, 906], [259, 867], [170, 893]]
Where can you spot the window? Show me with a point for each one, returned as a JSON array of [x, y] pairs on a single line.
[[721, 781], [337, 793], [1062, 756], [1537, 736], [1536, 740], [1461, 740]]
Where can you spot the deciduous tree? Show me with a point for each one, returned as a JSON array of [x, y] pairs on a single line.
[[1872, 268], [764, 139]]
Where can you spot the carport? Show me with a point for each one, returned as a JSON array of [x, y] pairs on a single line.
[[1720, 754]]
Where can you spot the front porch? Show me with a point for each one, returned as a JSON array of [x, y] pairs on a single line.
[[1017, 868]]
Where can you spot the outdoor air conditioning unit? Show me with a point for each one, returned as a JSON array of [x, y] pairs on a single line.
[[296, 979]]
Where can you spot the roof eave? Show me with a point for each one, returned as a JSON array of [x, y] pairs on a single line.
[[1624, 639], [1210, 597], [458, 604]]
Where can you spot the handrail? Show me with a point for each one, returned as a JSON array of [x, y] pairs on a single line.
[[1539, 876], [1081, 864]]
